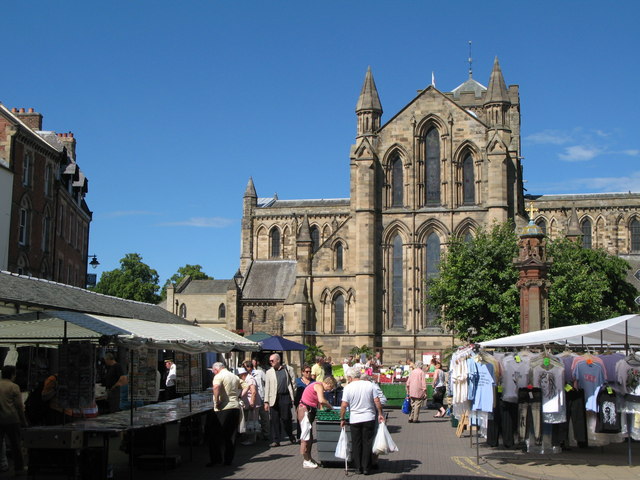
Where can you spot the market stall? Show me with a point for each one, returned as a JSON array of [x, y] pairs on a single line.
[[77, 336]]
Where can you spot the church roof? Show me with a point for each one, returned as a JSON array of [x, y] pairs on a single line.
[[251, 189], [207, 287], [269, 280], [470, 85], [34, 292], [313, 202], [369, 99]]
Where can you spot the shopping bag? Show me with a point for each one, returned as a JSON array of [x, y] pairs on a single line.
[[406, 406], [242, 426], [342, 447], [305, 428], [383, 443]]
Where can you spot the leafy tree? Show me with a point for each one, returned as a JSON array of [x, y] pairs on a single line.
[[194, 271], [312, 352], [476, 288], [134, 280], [357, 351], [587, 285]]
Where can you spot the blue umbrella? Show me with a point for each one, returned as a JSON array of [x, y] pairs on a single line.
[[281, 344]]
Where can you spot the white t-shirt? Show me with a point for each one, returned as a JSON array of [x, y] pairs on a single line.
[[359, 394], [515, 375]]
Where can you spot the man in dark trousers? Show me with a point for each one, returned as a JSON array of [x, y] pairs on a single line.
[[278, 392], [113, 380], [12, 415]]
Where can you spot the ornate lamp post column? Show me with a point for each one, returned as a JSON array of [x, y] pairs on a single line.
[[533, 265]]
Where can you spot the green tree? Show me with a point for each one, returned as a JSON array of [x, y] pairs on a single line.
[[134, 280], [312, 352], [194, 271], [476, 288], [587, 285]]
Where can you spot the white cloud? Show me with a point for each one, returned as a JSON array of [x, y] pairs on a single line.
[[628, 183], [579, 153], [206, 222], [631, 152], [548, 137]]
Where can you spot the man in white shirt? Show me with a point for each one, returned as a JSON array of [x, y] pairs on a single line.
[[363, 402]]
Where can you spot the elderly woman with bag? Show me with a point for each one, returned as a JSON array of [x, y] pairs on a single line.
[[416, 390], [312, 399]]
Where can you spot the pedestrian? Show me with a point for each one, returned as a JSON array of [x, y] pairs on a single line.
[[439, 389], [12, 415], [260, 376], [328, 367], [222, 422], [170, 382], [363, 405], [417, 391], [113, 380], [312, 399], [278, 401], [301, 383], [317, 371], [252, 402]]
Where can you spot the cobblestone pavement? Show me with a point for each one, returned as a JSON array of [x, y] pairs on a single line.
[[427, 450]]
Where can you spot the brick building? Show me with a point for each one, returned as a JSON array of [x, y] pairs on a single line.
[[49, 219]]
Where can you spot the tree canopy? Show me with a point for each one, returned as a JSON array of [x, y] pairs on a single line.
[[194, 271], [134, 280], [477, 292]]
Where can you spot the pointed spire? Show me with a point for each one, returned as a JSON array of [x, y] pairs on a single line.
[[251, 189], [573, 225], [497, 91], [369, 99], [305, 231]]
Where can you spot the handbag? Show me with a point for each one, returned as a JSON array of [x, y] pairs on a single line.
[[406, 406], [342, 447], [305, 428], [383, 443]]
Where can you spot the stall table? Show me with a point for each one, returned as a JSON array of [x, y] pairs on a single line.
[[327, 432]]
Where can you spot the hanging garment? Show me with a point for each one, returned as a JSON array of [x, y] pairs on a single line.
[[529, 410], [589, 376], [608, 420]]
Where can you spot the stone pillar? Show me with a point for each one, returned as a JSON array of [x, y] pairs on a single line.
[[533, 265]]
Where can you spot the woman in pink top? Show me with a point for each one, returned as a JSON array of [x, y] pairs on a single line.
[[417, 390], [312, 398]]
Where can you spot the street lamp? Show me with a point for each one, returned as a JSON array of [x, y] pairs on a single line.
[[94, 261]]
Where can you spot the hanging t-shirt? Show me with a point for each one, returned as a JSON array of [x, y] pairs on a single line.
[[550, 381], [481, 383], [610, 360], [589, 377], [608, 420], [515, 375], [628, 376]]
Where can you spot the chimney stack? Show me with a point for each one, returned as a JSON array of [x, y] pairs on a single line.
[[69, 142], [31, 118]]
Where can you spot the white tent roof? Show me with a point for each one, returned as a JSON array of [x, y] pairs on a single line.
[[51, 327], [614, 331]]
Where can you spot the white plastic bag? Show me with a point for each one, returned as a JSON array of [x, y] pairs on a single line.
[[242, 426], [342, 448], [383, 442], [305, 428]]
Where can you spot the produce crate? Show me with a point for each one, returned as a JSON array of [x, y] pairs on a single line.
[[332, 415]]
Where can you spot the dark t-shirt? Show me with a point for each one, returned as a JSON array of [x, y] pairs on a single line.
[[114, 372]]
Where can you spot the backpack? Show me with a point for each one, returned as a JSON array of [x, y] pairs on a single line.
[[35, 408]]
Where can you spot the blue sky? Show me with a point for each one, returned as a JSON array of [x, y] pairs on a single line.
[[176, 104]]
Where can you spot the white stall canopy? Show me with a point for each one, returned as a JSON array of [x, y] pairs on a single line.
[[53, 327], [618, 331]]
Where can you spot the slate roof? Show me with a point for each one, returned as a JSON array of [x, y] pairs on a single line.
[[20, 289], [470, 85], [207, 287], [314, 202], [269, 280]]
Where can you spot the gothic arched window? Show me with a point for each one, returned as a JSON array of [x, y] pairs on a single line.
[[339, 256], [397, 286], [222, 311], [468, 181], [634, 229], [433, 167], [432, 270], [542, 224], [275, 242], [338, 313], [397, 183], [586, 233], [183, 311], [24, 225], [315, 239]]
